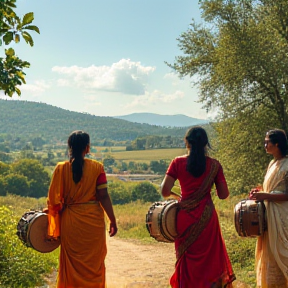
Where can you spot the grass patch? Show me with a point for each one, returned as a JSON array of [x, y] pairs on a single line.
[[148, 155]]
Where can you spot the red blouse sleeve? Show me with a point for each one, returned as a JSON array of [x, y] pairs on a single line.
[[101, 180], [220, 175], [172, 170]]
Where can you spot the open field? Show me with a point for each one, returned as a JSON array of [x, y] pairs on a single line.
[[148, 155]]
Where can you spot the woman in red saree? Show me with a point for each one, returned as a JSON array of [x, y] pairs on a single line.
[[77, 200], [202, 259]]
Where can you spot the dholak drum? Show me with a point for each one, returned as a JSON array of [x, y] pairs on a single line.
[[161, 220], [249, 218], [32, 231]]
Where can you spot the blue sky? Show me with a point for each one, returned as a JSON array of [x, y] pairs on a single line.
[[106, 58]]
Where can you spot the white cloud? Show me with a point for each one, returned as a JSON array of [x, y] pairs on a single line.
[[156, 97], [36, 89], [124, 76]]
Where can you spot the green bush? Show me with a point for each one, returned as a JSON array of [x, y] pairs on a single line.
[[119, 193], [146, 192], [20, 267]]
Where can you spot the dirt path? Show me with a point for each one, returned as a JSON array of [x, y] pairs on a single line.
[[130, 264], [133, 265]]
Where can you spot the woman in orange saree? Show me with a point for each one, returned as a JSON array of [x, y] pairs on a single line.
[[77, 200], [272, 247], [202, 259]]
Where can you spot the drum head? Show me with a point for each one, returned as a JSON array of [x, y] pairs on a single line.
[[37, 234], [168, 217]]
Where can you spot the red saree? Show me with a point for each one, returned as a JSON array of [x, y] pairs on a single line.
[[202, 259]]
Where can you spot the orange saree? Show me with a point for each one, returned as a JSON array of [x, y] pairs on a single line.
[[202, 259], [77, 218]]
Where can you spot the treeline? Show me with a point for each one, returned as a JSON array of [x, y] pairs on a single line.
[[28, 120], [119, 166], [28, 178], [155, 142]]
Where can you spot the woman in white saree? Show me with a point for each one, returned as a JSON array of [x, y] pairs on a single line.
[[272, 247]]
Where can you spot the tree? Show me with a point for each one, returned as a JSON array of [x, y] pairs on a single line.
[[12, 27], [239, 57], [4, 169], [159, 166], [17, 184], [36, 175], [118, 193], [146, 192], [239, 147], [2, 186]]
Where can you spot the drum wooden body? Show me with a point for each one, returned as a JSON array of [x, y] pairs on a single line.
[[249, 218], [161, 220], [32, 231]]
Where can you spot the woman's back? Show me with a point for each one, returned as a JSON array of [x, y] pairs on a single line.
[[85, 189], [188, 182]]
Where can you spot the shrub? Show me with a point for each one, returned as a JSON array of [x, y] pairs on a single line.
[[146, 192], [20, 266], [119, 193]]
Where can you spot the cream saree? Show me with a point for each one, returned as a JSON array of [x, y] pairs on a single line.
[[272, 247]]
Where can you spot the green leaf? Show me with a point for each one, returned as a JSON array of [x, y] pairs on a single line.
[[18, 91], [4, 27], [17, 38], [32, 27], [8, 37], [21, 75], [28, 18], [10, 52], [28, 38]]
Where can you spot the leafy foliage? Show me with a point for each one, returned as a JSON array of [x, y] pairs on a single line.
[[145, 192], [119, 193], [20, 266], [27, 177], [12, 27], [240, 149], [239, 57]]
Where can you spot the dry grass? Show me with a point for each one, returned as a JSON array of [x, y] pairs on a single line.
[[148, 155]]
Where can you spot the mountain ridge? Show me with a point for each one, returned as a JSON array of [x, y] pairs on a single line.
[[27, 120], [176, 120]]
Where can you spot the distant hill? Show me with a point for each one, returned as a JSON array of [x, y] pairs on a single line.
[[25, 119], [178, 120]]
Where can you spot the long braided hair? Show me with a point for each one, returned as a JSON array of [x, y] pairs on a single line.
[[77, 143], [197, 139]]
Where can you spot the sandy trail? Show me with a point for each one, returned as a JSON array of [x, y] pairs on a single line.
[[130, 264]]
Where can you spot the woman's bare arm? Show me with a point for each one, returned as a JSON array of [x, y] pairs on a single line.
[[261, 196], [104, 199], [166, 186]]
